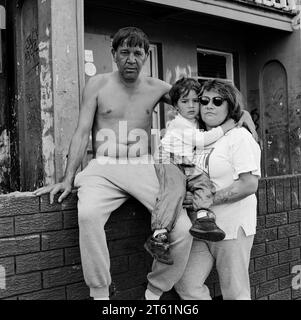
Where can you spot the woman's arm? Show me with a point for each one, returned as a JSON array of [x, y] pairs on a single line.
[[246, 185]]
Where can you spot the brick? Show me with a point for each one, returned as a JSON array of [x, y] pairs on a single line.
[[286, 282], [271, 196], [45, 205], [72, 256], [119, 265], [19, 245], [258, 250], [296, 294], [117, 230], [266, 261], [288, 230], [60, 239], [9, 265], [38, 223], [6, 227], [217, 290], [265, 235], [16, 285], [39, 261], [287, 194], [126, 246], [62, 276], [277, 245], [267, 288], [279, 195], [138, 261], [70, 219], [278, 271], [251, 266], [294, 193], [213, 276], [49, 294], [294, 216], [70, 203], [295, 242], [262, 197], [131, 294], [282, 295], [130, 210], [260, 222], [276, 219], [262, 298], [18, 203], [258, 277], [289, 255], [78, 291], [127, 280]]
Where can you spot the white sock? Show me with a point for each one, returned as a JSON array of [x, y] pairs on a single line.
[[159, 231], [202, 214], [104, 298], [151, 296]]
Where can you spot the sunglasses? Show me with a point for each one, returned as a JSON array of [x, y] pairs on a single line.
[[217, 101]]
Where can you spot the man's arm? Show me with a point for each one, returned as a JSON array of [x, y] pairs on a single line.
[[247, 121], [165, 88], [246, 185], [78, 143]]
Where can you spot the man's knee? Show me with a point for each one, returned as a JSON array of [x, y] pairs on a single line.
[[90, 215], [182, 226]]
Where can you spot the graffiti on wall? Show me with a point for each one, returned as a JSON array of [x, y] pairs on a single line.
[[275, 119], [31, 48]]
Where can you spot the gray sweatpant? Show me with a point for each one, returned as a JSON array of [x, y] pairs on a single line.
[[102, 188]]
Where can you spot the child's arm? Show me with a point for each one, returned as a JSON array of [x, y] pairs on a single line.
[[204, 138]]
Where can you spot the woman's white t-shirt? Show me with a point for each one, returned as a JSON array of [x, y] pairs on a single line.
[[235, 153]]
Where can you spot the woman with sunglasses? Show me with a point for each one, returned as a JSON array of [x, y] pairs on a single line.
[[233, 165]]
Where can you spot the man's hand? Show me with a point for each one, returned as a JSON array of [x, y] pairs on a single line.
[[247, 121], [188, 201], [64, 186]]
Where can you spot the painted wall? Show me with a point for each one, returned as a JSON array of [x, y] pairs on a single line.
[[284, 48]]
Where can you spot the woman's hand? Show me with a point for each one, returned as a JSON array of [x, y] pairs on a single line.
[[247, 121]]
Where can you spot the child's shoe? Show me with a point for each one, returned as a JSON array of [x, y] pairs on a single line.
[[206, 229], [158, 248]]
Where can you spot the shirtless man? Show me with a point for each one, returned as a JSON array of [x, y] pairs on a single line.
[[119, 103]]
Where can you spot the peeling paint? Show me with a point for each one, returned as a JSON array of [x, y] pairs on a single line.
[[4, 159], [48, 144]]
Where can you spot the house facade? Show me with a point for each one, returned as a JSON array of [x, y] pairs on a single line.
[[50, 48]]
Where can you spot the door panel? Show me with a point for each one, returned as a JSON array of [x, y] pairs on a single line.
[[275, 126]]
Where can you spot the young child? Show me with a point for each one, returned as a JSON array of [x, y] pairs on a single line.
[[177, 168]]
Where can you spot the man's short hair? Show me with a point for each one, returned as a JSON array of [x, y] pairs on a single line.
[[182, 88], [133, 36]]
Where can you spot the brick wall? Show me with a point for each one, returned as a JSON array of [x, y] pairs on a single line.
[[39, 246]]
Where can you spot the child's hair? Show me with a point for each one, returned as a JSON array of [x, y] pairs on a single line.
[[134, 37], [182, 88]]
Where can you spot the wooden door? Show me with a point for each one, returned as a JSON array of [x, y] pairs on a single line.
[[274, 115]]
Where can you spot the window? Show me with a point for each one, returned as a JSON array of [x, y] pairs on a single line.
[[214, 65]]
